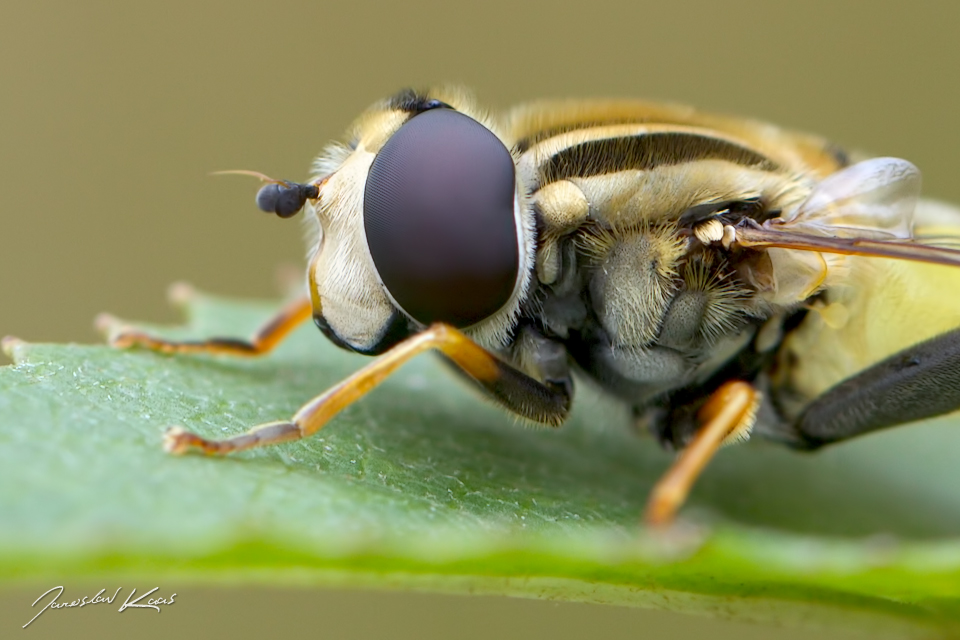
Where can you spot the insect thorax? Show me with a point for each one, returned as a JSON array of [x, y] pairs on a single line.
[[641, 313], [642, 304]]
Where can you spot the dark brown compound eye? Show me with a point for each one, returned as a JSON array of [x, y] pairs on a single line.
[[439, 217]]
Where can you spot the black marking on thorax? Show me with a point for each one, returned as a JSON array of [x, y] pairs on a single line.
[[524, 144], [645, 151]]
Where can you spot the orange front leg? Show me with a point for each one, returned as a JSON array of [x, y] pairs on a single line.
[[730, 411], [514, 390], [263, 341]]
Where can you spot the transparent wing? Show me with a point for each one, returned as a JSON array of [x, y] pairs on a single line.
[[875, 198], [866, 209]]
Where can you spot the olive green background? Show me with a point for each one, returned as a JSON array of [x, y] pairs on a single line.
[[113, 114]]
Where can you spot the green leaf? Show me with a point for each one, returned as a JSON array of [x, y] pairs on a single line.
[[423, 485]]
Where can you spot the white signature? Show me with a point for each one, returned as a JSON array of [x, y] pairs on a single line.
[[152, 603]]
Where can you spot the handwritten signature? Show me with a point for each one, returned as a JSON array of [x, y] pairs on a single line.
[[152, 603]]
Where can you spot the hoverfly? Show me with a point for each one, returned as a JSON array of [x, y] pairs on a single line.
[[721, 276]]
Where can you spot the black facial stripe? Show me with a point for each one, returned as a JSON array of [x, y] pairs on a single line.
[[644, 151], [439, 219], [398, 329], [331, 335]]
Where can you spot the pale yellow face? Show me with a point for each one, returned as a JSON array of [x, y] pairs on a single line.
[[343, 283], [345, 286]]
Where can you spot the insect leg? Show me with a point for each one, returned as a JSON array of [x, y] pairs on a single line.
[[731, 408], [922, 381], [514, 390], [263, 341]]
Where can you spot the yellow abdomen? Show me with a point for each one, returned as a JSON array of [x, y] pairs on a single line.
[[879, 308]]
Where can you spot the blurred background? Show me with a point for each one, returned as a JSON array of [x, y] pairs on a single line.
[[112, 115]]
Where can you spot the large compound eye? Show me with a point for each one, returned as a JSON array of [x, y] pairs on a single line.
[[439, 218]]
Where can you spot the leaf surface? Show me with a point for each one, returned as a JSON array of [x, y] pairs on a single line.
[[423, 485]]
